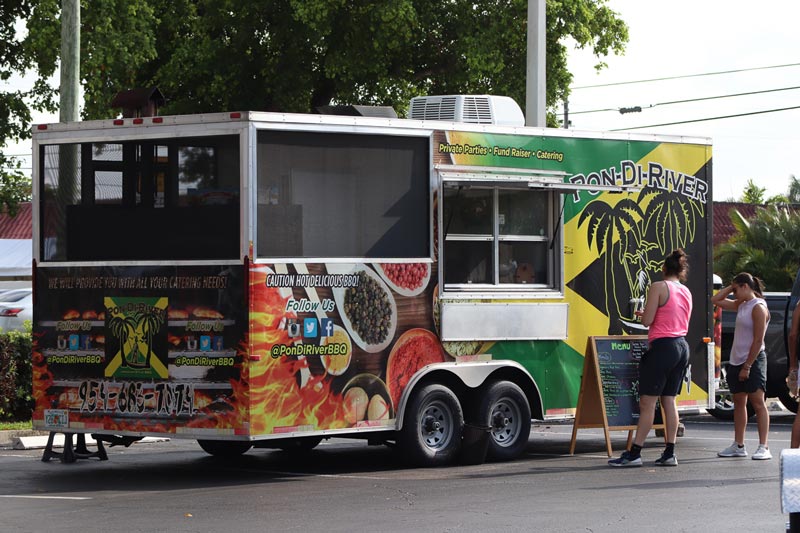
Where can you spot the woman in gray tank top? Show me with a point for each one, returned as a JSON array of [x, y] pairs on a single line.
[[747, 367]]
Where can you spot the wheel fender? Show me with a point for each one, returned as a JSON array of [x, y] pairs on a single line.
[[473, 374]]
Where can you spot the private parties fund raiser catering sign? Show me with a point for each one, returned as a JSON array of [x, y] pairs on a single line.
[[626, 173]]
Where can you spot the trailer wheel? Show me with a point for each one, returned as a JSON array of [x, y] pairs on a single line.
[[431, 433], [224, 448], [504, 407], [299, 444]]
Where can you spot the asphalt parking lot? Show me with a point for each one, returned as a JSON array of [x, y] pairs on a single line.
[[346, 485]]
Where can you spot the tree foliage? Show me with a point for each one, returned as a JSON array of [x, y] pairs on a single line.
[[16, 396], [753, 194], [16, 104], [767, 246], [296, 55], [793, 192]]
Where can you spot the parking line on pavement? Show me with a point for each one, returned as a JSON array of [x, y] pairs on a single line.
[[32, 497]]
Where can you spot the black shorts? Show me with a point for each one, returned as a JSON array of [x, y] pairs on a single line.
[[757, 379], [663, 367]]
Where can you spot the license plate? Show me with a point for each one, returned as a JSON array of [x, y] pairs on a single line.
[[56, 418]]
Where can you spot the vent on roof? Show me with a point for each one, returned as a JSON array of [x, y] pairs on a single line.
[[357, 110], [481, 109]]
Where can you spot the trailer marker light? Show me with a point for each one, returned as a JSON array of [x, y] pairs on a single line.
[[41, 127], [157, 120], [706, 339], [236, 115], [255, 357], [119, 122], [138, 121]]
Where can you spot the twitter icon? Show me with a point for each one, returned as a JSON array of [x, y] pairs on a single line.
[[310, 328]]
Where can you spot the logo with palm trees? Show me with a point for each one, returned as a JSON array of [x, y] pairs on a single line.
[[632, 236], [135, 329]]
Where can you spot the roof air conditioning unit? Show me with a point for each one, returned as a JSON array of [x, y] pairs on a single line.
[[472, 109]]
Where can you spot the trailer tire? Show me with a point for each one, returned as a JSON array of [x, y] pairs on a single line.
[[299, 444], [431, 432], [224, 448], [504, 407]]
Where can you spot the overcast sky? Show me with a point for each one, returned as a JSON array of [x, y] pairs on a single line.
[[682, 37]]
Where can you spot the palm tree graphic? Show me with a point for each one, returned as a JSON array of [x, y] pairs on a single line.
[[149, 323], [616, 233], [124, 328], [637, 235], [672, 219]]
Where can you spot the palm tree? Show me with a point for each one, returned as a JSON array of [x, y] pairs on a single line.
[[753, 194], [768, 247], [793, 194]]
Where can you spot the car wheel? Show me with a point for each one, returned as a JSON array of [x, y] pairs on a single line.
[[788, 401], [504, 407], [432, 428]]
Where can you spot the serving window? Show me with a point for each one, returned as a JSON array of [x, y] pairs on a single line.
[[335, 195], [498, 238], [162, 199]]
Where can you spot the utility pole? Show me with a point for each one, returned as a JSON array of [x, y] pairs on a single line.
[[70, 60], [68, 190], [535, 80]]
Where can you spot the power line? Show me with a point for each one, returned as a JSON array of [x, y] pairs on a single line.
[[688, 100], [684, 76], [709, 118]]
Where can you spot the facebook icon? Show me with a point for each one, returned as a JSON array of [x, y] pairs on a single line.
[[326, 325]]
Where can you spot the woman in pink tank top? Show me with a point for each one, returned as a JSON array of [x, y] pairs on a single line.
[[662, 368], [747, 366]]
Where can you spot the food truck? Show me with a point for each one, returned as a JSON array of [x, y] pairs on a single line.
[[253, 279]]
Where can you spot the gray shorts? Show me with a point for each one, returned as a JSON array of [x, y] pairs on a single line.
[[757, 379]]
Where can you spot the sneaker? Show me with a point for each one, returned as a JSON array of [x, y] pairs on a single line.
[[667, 460], [734, 450], [626, 459], [762, 453]]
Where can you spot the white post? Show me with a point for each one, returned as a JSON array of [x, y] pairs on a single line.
[[535, 84]]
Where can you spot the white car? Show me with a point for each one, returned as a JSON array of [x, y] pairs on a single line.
[[16, 306]]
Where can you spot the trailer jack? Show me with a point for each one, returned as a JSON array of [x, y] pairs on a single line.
[[70, 454]]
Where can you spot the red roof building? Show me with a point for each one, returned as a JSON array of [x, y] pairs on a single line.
[[18, 227], [723, 228]]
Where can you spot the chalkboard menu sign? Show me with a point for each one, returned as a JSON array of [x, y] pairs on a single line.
[[618, 360], [609, 395]]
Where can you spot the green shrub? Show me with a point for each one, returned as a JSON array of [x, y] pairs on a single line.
[[16, 400]]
